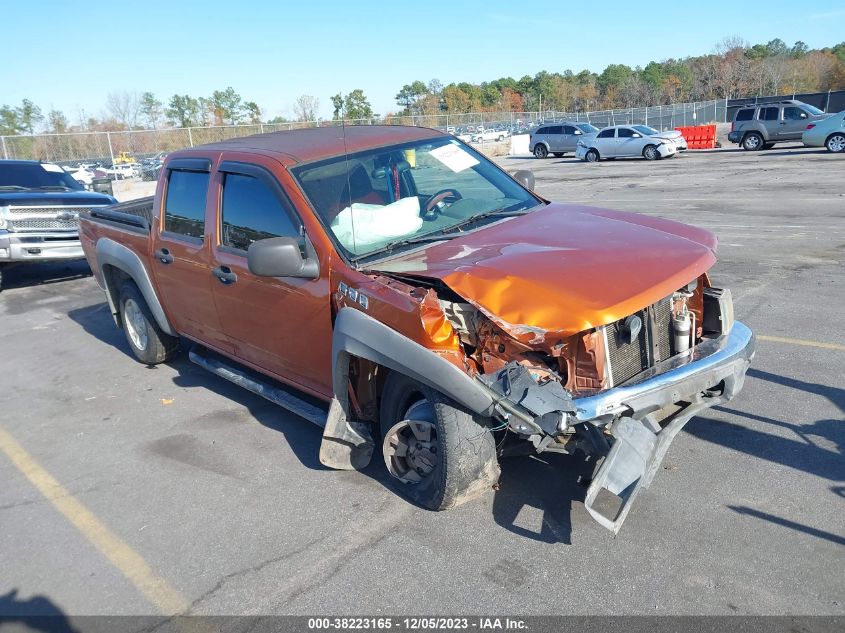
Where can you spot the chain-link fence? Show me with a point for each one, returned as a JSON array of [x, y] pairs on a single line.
[[108, 148]]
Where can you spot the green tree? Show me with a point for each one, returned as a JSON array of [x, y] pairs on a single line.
[[183, 110], [337, 104], [57, 122], [10, 124], [253, 112], [227, 106], [357, 106], [29, 116], [151, 109], [799, 50]]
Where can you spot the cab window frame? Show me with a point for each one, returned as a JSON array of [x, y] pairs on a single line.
[[266, 177], [192, 166]]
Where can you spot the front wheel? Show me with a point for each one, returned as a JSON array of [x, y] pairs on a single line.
[[149, 343], [836, 143], [650, 152], [540, 151], [592, 156], [440, 454]]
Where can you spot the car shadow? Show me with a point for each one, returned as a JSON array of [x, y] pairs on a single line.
[[42, 273], [792, 525], [37, 613], [97, 321]]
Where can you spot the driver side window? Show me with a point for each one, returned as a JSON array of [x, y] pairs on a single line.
[[794, 114], [625, 132]]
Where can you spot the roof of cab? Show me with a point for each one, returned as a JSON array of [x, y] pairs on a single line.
[[301, 146]]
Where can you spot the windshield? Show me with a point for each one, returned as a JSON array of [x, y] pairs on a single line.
[[586, 128], [812, 109], [644, 129], [36, 176], [375, 199]]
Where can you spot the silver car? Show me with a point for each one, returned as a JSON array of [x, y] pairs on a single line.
[[621, 141], [559, 138], [829, 133]]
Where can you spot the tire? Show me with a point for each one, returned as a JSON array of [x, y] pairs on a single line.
[[650, 152], [559, 154], [752, 142], [149, 344], [835, 143], [540, 151], [462, 445], [592, 156], [500, 138]]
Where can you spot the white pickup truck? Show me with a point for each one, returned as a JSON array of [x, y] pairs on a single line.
[[489, 135]]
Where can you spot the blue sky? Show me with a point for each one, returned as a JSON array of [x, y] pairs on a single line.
[[70, 55]]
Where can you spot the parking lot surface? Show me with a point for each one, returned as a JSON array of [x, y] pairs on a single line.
[[136, 490]]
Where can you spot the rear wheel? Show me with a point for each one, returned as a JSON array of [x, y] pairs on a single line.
[[752, 142], [836, 143], [440, 454], [149, 343], [591, 156], [650, 152], [540, 151]]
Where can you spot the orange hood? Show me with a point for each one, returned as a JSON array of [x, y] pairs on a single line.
[[565, 268]]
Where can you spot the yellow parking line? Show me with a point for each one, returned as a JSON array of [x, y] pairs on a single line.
[[128, 561], [800, 341]]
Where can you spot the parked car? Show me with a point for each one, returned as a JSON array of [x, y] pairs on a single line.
[[670, 135], [425, 310], [39, 209], [620, 141], [829, 133], [151, 170], [82, 176], [489, 135], [118, 171], [760, 126], [559, 138]]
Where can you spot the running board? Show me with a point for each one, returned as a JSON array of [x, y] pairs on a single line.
[[276, 394]]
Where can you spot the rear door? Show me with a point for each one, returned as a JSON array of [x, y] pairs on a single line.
[[279, 325], [606, 143], [181, 261], [770, 118]]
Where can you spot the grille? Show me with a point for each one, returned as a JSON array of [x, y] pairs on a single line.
[[652, 344], [45, 218]]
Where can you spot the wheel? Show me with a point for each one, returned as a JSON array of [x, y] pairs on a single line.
[[650, 152], [592, 156], [150, 345], [540, 151], [558, 154], [500, 138], [440, 454], [752, 142], [835, 143]]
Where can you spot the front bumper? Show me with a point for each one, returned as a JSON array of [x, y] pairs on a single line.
[[713, 373], [19, 247], [667, 149]]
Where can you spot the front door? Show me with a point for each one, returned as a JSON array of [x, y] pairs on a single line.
[[628, 142], [280, 325], [793, 123], [181, 261]]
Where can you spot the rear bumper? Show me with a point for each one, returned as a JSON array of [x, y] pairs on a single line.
[[735, 137], [19, 247]]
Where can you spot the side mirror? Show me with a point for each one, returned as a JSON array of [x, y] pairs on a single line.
[[280, 257], [637, 135], [525, 177], [578, 132], [803, 115]]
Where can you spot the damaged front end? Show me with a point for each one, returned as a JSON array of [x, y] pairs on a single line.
[[618, 391]]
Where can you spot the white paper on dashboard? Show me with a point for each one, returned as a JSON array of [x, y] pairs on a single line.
[[454, 157]]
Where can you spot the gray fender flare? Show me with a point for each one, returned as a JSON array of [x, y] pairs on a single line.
[[111, 253], [347, 444]]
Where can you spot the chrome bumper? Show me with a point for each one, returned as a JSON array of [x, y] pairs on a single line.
[[46, 246], [709, 363]]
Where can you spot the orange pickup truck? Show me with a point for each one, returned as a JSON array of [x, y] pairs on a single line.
[[397, 288]]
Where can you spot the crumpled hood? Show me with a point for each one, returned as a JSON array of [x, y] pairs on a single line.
[[565, 268]]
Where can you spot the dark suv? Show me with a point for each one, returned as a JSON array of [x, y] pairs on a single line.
[[761, 125]]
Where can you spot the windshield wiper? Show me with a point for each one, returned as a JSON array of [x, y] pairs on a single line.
[[419, 239], [53, 188], [13, 188]]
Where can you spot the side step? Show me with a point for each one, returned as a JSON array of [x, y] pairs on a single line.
[[264, 387]]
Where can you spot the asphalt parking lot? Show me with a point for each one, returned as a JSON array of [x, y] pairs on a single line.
[[172, 490]]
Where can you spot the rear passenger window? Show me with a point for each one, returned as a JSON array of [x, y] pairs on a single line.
[[745, 115], [251, 211], [555, 129], [768, 114], [606, 133], [184, 208]]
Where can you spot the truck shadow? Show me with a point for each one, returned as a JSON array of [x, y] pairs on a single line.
[[42, 273], [37, 613]]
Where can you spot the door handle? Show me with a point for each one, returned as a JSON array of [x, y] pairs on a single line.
[[224, 275], [163, 255]]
